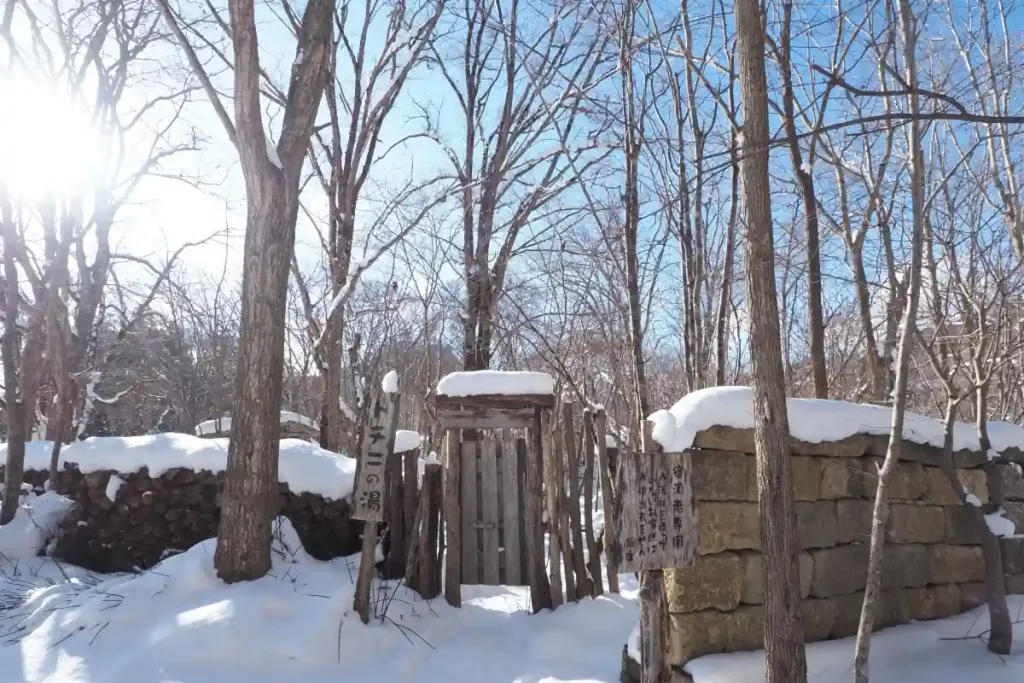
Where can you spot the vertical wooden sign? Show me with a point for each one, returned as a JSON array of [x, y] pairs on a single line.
[[378, 444], [657, 527], [378, 440]]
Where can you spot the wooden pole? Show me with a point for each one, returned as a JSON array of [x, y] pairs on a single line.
[[394, 565], [584, 586], [410, 485], [653, 605], [607, 498], [533, 496], [551, 489], [453, 519], [377, 447], [588, 501], [564, 525]]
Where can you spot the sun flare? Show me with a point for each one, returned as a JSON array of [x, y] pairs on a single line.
[[49, 146]]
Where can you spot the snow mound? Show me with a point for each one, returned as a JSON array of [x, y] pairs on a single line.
[[305, 467], [814, 421], [999, 525], [406, 441], [495, 383], [34, 525]]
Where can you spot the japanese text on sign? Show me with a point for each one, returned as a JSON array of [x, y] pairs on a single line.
[[657, 516], [369, 491]]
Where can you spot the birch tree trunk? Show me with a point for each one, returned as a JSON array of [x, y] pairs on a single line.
[[783, 623]]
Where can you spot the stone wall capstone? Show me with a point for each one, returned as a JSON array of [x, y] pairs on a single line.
[[933, 565]]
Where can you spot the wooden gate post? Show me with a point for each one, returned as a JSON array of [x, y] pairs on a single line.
[[453, 519], [607, 500], [589, 501]]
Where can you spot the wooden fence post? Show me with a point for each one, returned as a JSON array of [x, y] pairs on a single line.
[[588, 501], [551, 489], [607, 499], [540, 589], [410, 485], [584, 586], [453, 519], [378, 445], [423, 566]]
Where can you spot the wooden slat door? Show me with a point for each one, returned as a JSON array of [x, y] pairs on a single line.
[[493, 551]]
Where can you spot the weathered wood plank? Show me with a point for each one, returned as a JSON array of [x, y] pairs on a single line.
[[510, 513], [565, 527], [489, 513], [422, 566], [470, 514], [607, 498], [554, 510], [540, 588], [442, 402], [453, 519], [369, 490], [378, 445], [487, 418], [653, 627], [594, 555], [434, 550], [394, 505], [410, 485], [656, 513], [522, 466], [584, 586]]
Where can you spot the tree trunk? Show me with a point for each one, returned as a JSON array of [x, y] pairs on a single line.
[[272, 176], [1000, 638], [250, 488], [906, 347], [15, 465], [816, 318], [783, 623]]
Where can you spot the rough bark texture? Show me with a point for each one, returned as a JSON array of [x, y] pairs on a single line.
[[1000, 637], [272, 185], [783, 621], [906, 345], [14, 404]]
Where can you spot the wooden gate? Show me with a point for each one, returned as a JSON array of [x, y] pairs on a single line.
[[493, 524]]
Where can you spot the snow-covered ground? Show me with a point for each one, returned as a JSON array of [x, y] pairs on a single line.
[[944, 651], [178, 623]]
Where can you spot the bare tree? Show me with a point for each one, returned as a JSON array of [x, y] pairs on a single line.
[[272, 175], [783, 627], [880, 516]]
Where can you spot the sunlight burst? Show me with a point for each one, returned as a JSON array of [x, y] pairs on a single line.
[[49, 146]]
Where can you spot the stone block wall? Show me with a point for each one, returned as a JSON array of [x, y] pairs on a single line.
[[933, 564], [151, 517]]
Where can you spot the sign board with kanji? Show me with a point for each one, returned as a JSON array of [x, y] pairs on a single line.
[[657, 513], [378, 441]]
